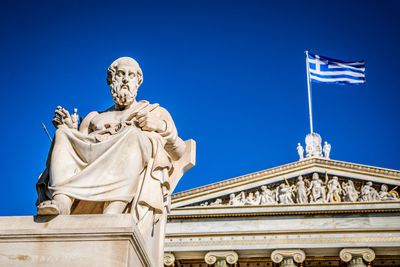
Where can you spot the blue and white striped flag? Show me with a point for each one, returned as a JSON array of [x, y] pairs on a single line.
[[328, 70]]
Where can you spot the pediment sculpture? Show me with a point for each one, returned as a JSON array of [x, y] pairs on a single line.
[[309, 191], [126, 159]]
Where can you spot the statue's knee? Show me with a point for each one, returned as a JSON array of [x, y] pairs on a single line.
[[133, 135]]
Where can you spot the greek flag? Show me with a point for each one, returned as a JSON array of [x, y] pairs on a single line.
[[328, 70]]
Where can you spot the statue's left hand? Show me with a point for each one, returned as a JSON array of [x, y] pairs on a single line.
[[149, 122]]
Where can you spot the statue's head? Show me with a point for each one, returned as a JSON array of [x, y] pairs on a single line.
[[300, 178], [315, 176], [124, 77], [263, 187]]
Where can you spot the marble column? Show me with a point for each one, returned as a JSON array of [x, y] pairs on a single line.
[[221, 258], [356, 257], [288, 257], [169, 259]]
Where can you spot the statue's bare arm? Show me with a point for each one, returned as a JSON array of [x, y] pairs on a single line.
[[159, 121], [84, 126], [174, 145]]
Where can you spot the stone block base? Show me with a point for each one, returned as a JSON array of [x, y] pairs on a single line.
[[72, 240]]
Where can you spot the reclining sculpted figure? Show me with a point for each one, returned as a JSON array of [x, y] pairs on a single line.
[[126, 159]]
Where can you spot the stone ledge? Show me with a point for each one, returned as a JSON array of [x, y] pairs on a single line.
[[71, 240]]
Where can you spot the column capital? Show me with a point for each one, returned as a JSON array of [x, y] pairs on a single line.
[[169, 259], [347, 254], [230, 256], [297, 254]]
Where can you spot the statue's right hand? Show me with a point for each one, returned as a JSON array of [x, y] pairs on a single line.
[[57, 119], [62, 116]]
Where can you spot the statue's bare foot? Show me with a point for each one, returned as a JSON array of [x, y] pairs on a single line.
[[48, 207]]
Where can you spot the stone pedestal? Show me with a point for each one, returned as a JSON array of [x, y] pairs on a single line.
[[77, 240]]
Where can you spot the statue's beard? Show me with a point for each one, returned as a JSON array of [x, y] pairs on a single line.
[[123, 95]]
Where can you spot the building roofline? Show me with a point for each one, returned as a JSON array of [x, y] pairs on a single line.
[[387, 173]]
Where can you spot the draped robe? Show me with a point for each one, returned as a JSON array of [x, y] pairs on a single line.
[[111, 158]]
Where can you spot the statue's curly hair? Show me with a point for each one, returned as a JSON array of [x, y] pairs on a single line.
[[124, 60]]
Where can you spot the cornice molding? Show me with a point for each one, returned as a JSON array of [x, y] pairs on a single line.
[[221, 215]]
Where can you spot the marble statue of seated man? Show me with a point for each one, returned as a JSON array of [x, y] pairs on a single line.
[[126, 159], [118, 160]]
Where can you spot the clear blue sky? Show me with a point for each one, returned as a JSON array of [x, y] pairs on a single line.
[[231, 73]]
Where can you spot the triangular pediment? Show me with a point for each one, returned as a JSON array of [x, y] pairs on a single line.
[[356, 186]]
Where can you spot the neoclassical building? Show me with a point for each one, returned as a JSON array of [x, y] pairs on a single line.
[[313, 212]]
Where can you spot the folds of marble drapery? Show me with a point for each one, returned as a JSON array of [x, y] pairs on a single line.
[[126, 164], [112, 159]]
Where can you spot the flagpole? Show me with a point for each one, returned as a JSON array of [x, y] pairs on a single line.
[[309, 92]]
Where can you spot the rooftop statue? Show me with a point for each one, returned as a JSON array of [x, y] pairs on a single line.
[[75, 119], [126, 159], [300, 151], [327, 149], [313, 145]]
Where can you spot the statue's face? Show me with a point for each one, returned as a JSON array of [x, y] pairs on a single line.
[[125, 84]]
